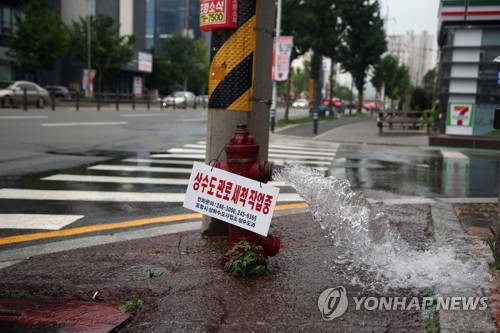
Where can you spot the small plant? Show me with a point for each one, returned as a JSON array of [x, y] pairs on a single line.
[[431, 323], [131, 304], [154, 275], [246, 260], [490, 242]]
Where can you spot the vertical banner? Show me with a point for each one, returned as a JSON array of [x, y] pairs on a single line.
[[88, 81], [282, 52], [137, 87]]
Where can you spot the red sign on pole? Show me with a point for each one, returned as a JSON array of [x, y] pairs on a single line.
[[218, 14]]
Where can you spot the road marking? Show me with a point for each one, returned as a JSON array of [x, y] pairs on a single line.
[[156, 161], [195, 120], [453, 154], [297, 153], [98, 227], [24, 117], [191, 156], [105, 167], [145, 115], [291, 147], [129, 180], [100, 196], [97, 196], [36, 221], [124, 224], [85, 124], [113, 179]]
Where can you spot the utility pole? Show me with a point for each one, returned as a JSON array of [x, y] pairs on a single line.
[[256, 43]]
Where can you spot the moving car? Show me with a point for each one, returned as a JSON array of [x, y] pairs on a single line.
[[181, 99], [12, 94], [300, 103], [59, 91]]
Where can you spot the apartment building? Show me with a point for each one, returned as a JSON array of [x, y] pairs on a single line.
[[414, 51]]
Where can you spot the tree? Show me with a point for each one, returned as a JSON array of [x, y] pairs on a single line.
[[364, 41], [300, 80], [400, 85], [315, 25], [186, 62], [384, 74], [40, 39], [109, 50], [419, 99], [429, 83]]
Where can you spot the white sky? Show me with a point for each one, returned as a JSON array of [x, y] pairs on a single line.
[[406, 15]]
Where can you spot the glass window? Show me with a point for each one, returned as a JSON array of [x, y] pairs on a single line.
[[6, 19]]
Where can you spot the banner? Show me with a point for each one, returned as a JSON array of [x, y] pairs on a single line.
[[282, 52], [234, 199]]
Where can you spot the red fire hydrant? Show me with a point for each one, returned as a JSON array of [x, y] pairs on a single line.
[[243, 159]]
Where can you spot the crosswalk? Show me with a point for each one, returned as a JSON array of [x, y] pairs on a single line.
[[136, 185]]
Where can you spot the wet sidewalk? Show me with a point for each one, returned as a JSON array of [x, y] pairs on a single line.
[[175, 283]]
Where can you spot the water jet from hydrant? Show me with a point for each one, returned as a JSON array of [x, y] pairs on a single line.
[[365, 243]]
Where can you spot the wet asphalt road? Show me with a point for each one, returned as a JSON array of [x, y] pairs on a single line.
[[40, 144]]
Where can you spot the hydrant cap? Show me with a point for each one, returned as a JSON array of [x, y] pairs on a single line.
[[241, 140]]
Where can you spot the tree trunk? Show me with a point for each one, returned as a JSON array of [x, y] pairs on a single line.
[[360, 100]]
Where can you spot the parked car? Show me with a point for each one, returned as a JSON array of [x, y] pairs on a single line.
[[300, 103], [181, 99], [12, 94], [59, 91]]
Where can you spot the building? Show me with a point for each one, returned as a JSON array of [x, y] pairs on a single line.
[[8, 69], [469, 66], [130, 16], [415, 51], [167, 17], [151, 21]]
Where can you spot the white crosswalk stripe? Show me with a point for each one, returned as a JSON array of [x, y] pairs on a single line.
[[138, 180]]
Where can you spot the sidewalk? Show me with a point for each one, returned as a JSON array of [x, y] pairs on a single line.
[[175, 282]]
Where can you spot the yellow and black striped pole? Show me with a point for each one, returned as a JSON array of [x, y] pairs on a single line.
[[239, 85], [232, 59]]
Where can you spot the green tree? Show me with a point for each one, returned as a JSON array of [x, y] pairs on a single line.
[[40, 39], [419, 99], [342, 92], [315, 25], [109, 50], [300, 80], [384, 75], [157, 78], [364, 41], [429, 83], [400, 85], [186, 62]]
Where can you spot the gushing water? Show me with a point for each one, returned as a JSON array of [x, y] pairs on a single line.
[[365, 243]]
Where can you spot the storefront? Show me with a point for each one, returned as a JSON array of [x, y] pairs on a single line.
[[469, 66]]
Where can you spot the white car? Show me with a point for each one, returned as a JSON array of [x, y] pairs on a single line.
[[300, 103], [180, 99], [12, 94]]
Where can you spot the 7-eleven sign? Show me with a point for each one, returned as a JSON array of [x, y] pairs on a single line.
[[460, 114]]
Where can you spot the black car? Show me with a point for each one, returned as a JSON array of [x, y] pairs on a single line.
[[59, 91]]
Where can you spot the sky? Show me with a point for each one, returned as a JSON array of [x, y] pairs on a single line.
[[405, 15]]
